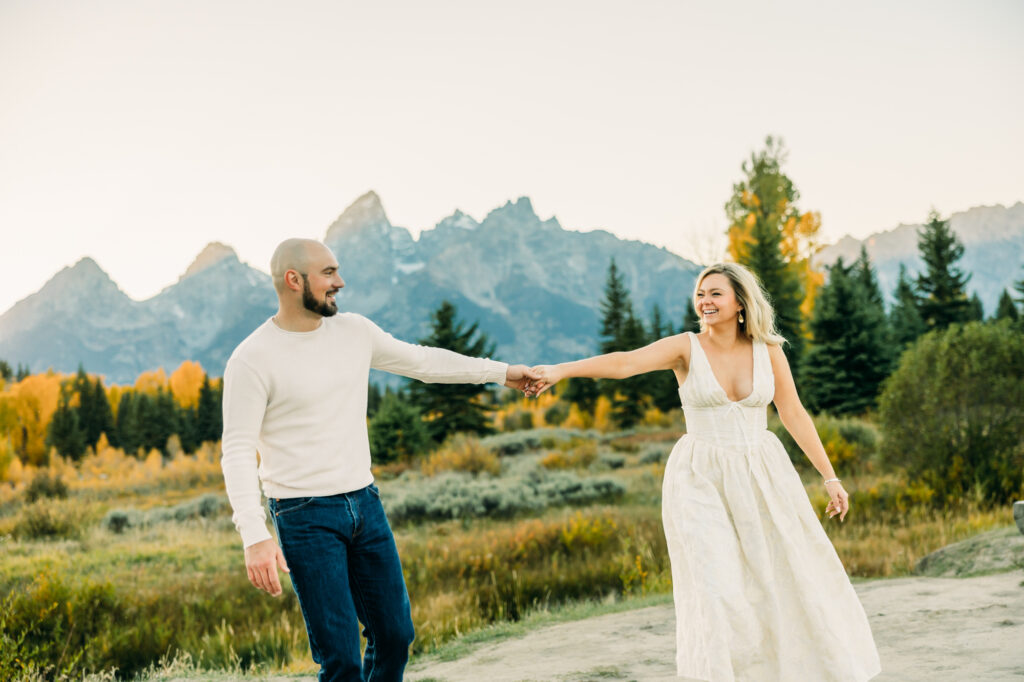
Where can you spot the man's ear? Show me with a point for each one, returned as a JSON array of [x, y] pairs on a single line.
[[293, 280]]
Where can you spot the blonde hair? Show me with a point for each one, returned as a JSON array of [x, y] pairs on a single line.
[[759, 316]]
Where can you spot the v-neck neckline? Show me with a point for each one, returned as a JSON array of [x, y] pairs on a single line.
[[718, 384]]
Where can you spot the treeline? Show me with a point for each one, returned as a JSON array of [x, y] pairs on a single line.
[[70, 415]]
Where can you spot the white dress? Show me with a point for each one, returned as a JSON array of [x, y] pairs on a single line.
[[760, 594]]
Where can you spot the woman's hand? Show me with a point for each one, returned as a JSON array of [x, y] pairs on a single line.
[[839, 502], [548, 376]]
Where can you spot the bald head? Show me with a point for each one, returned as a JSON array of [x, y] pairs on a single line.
[[301, 255]]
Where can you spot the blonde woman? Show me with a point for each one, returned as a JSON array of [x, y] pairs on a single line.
[[760, 594]]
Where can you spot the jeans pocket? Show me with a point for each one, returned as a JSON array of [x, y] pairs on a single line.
[[374, 490], [281, 507]]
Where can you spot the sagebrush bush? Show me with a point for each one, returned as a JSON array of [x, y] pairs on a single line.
[[46, 486], [455, 495], [50, 520], [462, 452], [579, 455], [206, 506], [518, 442], [850, 442]]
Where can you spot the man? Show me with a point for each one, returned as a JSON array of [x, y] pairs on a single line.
[[295, 392]]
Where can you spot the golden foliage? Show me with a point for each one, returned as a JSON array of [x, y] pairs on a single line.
[[185, 383], [33, 401], [151, 382], [603, 415], [578, 419], [462, 453]]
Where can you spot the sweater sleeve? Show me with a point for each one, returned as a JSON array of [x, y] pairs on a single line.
[[430, 365], [245, 402]]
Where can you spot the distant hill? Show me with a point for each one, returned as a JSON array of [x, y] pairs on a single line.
[[993, 238], [533, 286]]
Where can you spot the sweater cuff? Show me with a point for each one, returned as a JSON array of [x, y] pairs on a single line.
[[254, 534], [496, 372]]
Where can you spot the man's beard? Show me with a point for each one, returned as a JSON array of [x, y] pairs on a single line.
[[324, 307]]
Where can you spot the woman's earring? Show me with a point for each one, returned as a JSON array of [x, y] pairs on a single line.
[[741, 317]]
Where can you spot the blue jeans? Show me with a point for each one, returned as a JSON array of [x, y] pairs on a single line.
[[345, 571]]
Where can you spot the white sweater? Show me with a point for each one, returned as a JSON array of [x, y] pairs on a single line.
[[299, 399]]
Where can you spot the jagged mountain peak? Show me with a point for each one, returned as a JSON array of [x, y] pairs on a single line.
[[460, 220], [365, 212], [519, 211], [212, 253], [85, 272]]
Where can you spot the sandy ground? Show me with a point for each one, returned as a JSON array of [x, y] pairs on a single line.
[[927, 629]]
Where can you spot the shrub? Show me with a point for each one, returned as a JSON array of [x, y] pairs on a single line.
[[953, 411], [556, 414], [653, 455], [206, 506], [581, 455], [46, 486], [455, 495], [850, 442], [462, 453], [518, 442], [48, 520], [612, 461], [517, 420], [397, 431]]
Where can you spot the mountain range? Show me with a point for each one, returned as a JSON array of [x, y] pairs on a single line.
[[993, 239], [534, 287]]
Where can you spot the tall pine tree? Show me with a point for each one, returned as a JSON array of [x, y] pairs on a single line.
[[691, 322], [209, 415], [850, 354], [905, 316], [769, 235], [1006, 310], [942, 286], [453, 408], [65, 432]]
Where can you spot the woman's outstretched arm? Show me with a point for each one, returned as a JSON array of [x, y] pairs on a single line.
[[672, 352], [800, 425]]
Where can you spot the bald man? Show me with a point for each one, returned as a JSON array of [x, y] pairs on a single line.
[[295, 393]]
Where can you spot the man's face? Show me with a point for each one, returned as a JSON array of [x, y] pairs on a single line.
[[321, 285]]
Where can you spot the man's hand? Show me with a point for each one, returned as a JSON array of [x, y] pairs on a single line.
[[261, 562], [521, 378], [546, 377]]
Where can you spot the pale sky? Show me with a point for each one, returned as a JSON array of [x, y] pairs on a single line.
[[137, 131]]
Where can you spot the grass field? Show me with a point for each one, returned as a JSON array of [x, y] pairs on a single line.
[[122, 576]]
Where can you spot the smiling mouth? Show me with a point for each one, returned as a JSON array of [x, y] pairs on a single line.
[[710, 311]]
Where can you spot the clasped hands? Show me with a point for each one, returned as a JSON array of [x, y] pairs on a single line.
[[532, 381]]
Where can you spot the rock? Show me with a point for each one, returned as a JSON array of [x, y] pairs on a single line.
[[1018, 515]]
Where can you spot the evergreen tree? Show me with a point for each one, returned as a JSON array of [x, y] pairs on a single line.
[[1019, 288], [976, 309], [763, 221], [188, 428], [616, 309], [691, 321], [583, 392], [6, 371], [941, 285], [373, 399], [129, 435], [165, 420], [867, 279], [65, 433], [630, 395], [397, 430], [209, 413], [663, 387], [1006, 310], [905, 317], [453, 408], [21, 373], [102, 415], [850, 355]]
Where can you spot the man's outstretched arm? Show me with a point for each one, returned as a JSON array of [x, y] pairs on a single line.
[[441, 366]]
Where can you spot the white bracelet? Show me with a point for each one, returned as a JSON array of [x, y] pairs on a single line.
[[833, 480]]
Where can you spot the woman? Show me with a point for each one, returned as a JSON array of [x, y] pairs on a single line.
[[760, 593]]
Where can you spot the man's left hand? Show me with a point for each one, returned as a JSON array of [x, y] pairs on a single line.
[[521, 378]]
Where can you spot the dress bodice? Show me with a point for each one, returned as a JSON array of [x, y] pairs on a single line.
[[709, 412]]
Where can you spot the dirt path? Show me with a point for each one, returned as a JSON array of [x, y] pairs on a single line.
[[927, 630]]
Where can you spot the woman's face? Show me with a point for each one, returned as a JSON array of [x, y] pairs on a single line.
[[715, 301]]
